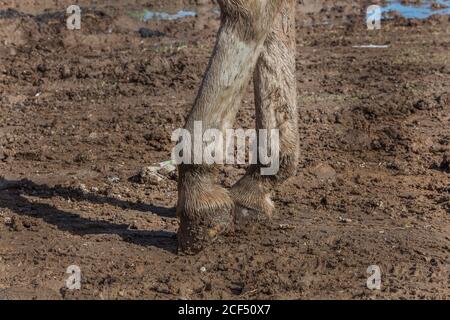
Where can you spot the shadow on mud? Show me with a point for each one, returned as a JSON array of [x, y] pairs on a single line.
[[11, 196]]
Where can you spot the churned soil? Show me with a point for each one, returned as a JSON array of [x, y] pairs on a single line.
[[82, 112]]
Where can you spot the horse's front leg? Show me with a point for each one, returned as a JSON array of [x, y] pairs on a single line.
[[205, 209]]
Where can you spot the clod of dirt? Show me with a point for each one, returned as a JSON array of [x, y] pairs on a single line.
[[445, 164], [42, 68], [147, 33], [16, 224], [7, 221], [324, 172], [12, 52], [149, 175], [65, 72], [134, 225], [158, 139], [324, 201]]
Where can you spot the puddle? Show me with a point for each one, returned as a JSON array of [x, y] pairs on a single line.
[[422, 10], [372, 46], [152, 15], [147, 15]]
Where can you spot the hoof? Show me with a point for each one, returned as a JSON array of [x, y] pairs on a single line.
[[195, 234], [247, 219], [251, 207], [205, 209]]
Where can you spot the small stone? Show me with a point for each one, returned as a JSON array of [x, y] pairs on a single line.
[[344, 220], [286, 227], [149, 175], [167, 169], [324, 172], [42, 67], [134, 225], [83, 188], [113, 179]]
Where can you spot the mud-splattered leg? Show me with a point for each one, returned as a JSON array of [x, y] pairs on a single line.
[[276, 108], [205, 209]]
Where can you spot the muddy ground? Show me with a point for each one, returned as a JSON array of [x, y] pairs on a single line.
[[83, 111]]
